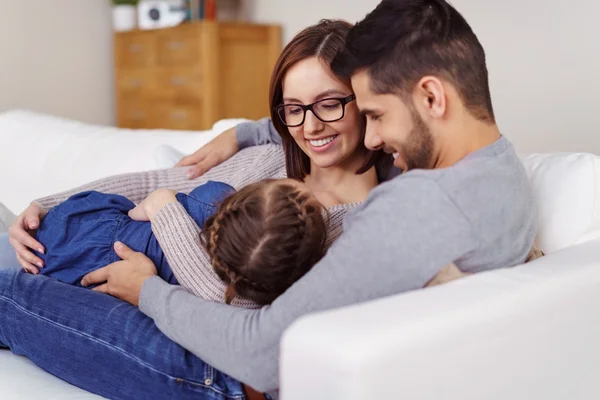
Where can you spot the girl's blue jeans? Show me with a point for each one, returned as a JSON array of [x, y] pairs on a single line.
[[97, 342]]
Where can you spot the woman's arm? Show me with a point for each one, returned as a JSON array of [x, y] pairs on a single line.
[[135, 186], [239, 170], [250, 134], [139, 185], [228, 143]]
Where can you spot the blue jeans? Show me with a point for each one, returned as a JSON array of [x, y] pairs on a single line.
[[99, 343]]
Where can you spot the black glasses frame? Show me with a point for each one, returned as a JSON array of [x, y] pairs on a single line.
[[309, 107]]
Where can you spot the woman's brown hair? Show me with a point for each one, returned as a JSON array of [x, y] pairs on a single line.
[[264, 238], [324, 41]]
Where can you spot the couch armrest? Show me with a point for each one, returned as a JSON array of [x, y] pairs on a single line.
[[528, 332]]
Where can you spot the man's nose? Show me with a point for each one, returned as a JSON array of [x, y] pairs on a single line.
[[372, 140]]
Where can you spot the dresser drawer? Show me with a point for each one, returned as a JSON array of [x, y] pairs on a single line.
[[135, 83], [177, 47], [173, 116], [135, 115], [134, 50], [178, 84]]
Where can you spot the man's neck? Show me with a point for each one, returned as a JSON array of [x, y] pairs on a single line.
[[471, 136]]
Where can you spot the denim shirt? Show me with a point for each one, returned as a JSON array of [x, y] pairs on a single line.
[[79, 233]]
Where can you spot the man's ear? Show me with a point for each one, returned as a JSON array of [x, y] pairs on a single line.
[[430, 95]]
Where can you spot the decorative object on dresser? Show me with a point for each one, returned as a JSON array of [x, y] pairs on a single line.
[[153, 14], [190, 76], [124, 15]]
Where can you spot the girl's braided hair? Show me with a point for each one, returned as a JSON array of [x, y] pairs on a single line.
[[264, 238]]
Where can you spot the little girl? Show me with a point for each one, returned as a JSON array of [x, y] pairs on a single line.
[[261, 239]]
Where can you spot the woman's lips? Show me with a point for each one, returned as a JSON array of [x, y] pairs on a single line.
[[322, 145]]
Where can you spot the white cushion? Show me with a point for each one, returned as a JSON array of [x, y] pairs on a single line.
[[23, 380], [41, 154], [566, 187]]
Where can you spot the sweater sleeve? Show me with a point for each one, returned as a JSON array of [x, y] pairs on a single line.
[[236, 172], [179, 237], [135, 186], [256, 133], [396, 248]]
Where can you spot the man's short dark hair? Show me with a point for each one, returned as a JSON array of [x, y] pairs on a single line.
[[401, 41]]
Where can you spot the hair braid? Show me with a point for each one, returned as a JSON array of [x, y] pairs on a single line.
[[264, 238]]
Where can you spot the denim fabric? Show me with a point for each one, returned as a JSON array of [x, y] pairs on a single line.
[[8, 258], [79, 234], [101, 344]]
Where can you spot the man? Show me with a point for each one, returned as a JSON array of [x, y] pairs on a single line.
[[420, 78]]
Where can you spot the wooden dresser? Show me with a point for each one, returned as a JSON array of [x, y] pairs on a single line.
[[192, 75]]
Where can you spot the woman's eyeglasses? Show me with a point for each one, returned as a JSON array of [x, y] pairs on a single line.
[[327, 110]]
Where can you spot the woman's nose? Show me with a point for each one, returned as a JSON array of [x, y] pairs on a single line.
[[312, 124]]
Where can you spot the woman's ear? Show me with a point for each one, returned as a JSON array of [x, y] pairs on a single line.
[[430, 94]]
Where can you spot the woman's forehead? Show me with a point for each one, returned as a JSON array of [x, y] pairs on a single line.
[[309, 80]]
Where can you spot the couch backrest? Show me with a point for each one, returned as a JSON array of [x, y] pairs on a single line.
[[566, 187]]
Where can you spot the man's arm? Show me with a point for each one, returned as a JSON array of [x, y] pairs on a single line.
[[397, 241], [256, 133]]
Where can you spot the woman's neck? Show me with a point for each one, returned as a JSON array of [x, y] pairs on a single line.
[[342, 182]]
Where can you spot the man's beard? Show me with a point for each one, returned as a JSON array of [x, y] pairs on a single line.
[[418, 151]]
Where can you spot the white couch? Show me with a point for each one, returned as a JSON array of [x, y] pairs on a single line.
[[520, 333]]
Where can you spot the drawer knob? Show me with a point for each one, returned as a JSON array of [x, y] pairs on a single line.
[[135, 83], [178, 81], [135, 48], [179, 115], [175, 45], [137, 115]]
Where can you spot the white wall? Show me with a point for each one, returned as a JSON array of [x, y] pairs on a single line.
[[543, 57], [56, 57]]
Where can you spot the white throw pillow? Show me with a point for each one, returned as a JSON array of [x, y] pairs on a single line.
[[566, 187], [166, 156], [42, 154]]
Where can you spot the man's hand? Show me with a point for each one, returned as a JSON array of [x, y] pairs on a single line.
[[123, 279], [220, 149], [151, 205]]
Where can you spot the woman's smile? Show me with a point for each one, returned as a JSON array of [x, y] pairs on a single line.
[[323, 144]]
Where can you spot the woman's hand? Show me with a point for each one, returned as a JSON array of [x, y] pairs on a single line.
[[151, 205], [21, 238], [220, 149], [123, 279]]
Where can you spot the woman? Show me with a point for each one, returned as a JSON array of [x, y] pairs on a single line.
[[111, 348]]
